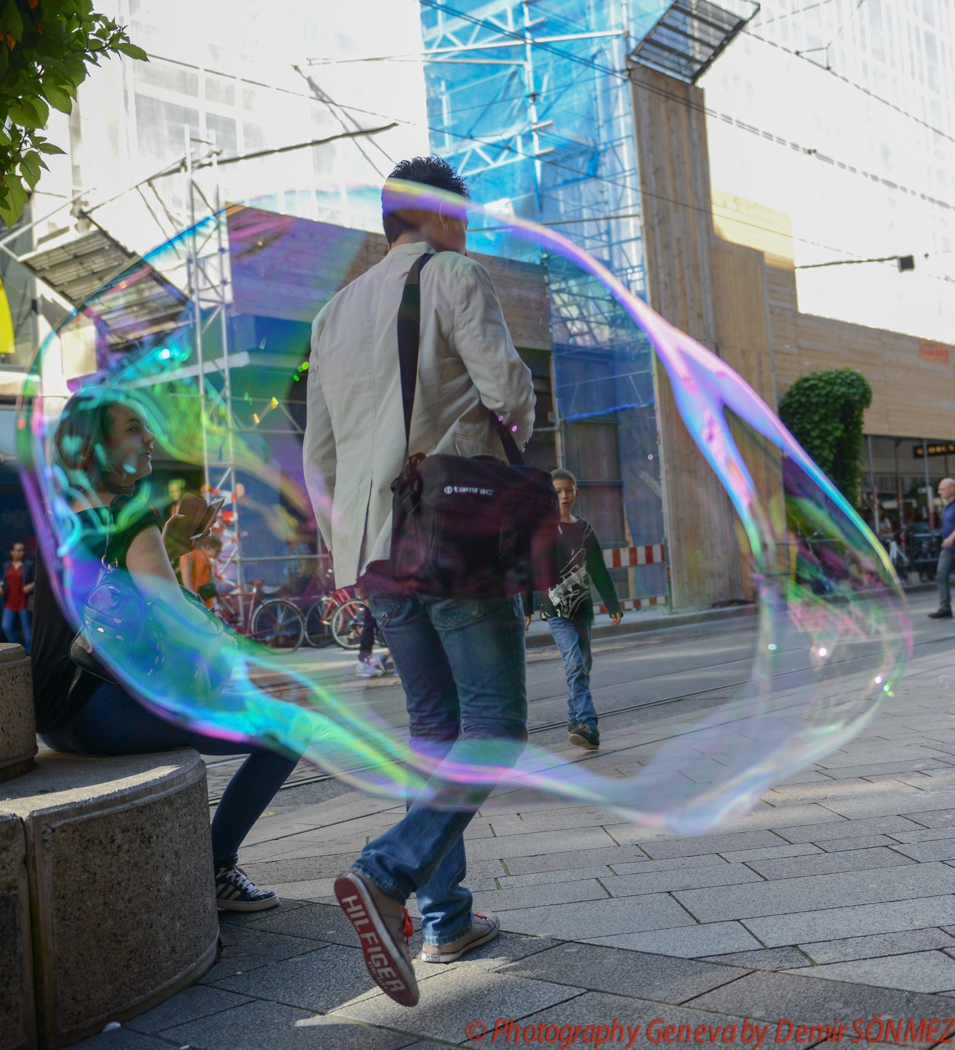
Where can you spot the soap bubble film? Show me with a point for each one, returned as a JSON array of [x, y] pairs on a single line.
[[829, 637]]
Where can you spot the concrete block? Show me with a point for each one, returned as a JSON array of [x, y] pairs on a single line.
[[686, 942], [630, 973], [17, 726], [846, 829], [680, 879], [555, 893], [858, 921], [914, 972], [656, 911], [763, 959], [828, 863], [694, 847], [770, 996], [877, 945], [119, 861], [817, 892], [17, 1016], [272, 1026], [452, 998]]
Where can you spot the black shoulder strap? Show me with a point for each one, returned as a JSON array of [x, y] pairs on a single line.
[[409, 339], [409, 343]]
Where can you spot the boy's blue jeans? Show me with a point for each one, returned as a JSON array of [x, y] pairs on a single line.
[[573, 641], [462, 668]]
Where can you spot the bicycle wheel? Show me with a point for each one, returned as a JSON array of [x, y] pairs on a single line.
[[318, 633], [278, 624], [347, 623]]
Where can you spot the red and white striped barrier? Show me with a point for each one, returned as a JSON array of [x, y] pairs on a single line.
[[639, 603], [624, 557]]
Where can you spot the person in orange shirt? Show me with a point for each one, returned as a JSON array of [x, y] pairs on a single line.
[[198, 568]]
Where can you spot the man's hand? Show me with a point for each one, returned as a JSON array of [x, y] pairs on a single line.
[[949, 541], [176, 545], [615, 619], [527, 623]]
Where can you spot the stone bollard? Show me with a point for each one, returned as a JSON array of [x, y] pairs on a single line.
[[17, 726], [107, 898]]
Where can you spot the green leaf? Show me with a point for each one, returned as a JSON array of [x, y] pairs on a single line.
[[56, 96], [49, 149], [14, 200], [133, 51], [10, 20], [26, 113], [5, 139], [30, 168]]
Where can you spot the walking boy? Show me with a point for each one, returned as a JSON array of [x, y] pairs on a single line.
[[569, 609]]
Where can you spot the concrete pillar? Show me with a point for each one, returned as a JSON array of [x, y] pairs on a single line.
[[17, 725]]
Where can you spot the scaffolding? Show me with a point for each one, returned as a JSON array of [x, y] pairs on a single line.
[[530, 102]]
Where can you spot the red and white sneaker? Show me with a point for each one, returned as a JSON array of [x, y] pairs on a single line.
[[384, 931]]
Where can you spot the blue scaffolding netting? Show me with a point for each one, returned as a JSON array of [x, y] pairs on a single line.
[[531, 102]]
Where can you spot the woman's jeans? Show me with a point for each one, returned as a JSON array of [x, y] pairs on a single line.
[[462, 668], [573, 641], [9, 621], [113, 723]]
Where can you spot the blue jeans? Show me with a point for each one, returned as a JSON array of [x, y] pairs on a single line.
[[9, 621], [111, 722], [945, 560], [462, 668], [573, 641]]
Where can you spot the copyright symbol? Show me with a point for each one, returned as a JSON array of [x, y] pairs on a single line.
[[475, 1031]]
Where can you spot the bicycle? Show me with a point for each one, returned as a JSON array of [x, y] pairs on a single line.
[[319, 617], [274, 622]]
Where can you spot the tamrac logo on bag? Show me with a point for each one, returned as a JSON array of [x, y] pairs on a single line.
[[467, 490]]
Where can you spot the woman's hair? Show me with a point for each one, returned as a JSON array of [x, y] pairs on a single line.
[[15, 543], [79, 444]]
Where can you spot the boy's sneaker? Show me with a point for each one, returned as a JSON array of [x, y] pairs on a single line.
[[584, 736], [235, 891], [484, 928], [384, 931], [373, 667]]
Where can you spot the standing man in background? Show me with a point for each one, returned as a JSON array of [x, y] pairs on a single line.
[[461, 662], [16, 586], [946, 558]]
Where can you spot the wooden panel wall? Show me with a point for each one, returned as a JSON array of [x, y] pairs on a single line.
[[913, 385], [288, 267], [675, 188]]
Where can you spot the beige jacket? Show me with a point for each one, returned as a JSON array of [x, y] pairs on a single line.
[[355, 437]]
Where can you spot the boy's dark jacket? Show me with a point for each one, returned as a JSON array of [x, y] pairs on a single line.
[[581, 560]]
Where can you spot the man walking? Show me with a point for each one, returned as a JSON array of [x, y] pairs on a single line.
[[461, 662], [946, 558]]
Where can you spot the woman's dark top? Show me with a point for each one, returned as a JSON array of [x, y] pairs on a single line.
[[60, 688]]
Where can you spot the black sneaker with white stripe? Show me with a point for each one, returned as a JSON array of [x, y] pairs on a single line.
[[235, 891]]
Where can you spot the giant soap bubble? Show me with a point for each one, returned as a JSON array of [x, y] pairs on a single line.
[[828, 643]]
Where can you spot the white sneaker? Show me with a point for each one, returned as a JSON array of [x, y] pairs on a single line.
[[373, 667]]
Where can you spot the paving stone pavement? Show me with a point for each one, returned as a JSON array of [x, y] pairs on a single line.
[[832, 901]]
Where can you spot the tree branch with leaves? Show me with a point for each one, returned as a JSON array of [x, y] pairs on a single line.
[[46, 49]]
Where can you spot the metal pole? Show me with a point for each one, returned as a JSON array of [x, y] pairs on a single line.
[[929, 502], [193, 263], [226, 361], [875, 491]]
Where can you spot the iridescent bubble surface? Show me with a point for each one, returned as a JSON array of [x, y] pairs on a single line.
[[828, 643]]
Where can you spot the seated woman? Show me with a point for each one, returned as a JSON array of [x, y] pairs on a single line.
[[104, 446]]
